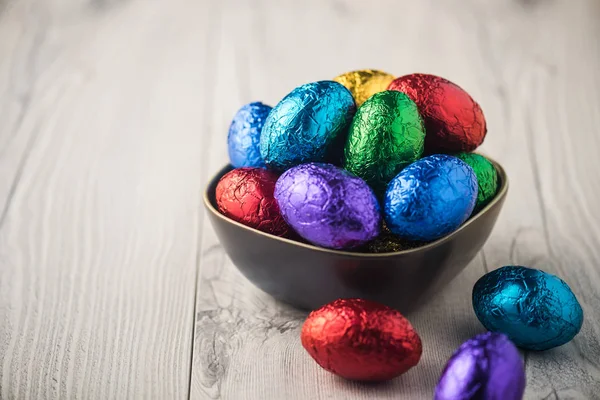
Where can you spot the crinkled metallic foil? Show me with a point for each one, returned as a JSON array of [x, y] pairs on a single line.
[[386, 135], [535, 309], [328, 206], [306, 124], [364, 83], [430, 198], [453, 120], [361, 340], [246, 195], [486, 367], [487, 178], [243, 140]]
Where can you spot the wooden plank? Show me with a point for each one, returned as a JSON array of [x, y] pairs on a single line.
[[533, 66], [247, 345], [547, 82], [101, 147]]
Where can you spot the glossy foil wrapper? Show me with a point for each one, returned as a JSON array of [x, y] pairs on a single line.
[[454, 122], [535, 309], [430, 198], [328, 206], [486, 367], [487, 178], [246, 195], [386, 135], [364, 83], [243, 140], [308, 125], [361, 340]]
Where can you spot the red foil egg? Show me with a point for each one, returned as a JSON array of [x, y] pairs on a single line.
[[246, 195], [453, 120], [361, 340]]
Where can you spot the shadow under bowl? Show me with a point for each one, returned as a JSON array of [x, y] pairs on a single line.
[[308, 276]]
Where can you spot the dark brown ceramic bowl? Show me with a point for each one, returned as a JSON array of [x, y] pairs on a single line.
[[308, 276]]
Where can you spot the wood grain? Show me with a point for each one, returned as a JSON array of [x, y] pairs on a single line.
[[100, 153], [533, 66], [113, 114], [548, 223]]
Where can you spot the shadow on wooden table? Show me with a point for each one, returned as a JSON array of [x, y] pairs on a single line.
[[403, 385]]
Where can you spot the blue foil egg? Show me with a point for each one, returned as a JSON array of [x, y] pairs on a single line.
[[309, 124], [485, 367], [430, 198], [243, 140], [535, 309]]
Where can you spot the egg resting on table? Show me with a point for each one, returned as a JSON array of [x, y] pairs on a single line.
[[328, 206], [535, 309], [246, 195], [361, 340], [487, 178], [430, 198], [364, 83], [307, 125], [486, 367], [243, 140], [453, 120], [386, 135]]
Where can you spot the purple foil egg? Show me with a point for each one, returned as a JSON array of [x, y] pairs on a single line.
[[486, 367], [328, 206]]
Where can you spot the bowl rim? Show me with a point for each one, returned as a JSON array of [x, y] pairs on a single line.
[[502, 190]]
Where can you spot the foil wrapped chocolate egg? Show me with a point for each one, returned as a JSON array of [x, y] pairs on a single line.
[[243, 140], [386, 135], [307, 125], [487, 178], [453, 120], [361, 340], [535, 309], [328, 206], [430, 198], [246, 195], [486, 367], [364, 83]]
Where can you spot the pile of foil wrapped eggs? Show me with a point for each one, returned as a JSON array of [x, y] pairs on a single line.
[[520, 307], [372, 163], [364, 162]]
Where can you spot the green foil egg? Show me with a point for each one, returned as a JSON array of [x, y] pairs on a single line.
[[386, 134], [487, 178]]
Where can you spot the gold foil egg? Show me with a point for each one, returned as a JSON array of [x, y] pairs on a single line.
[[364, 83]]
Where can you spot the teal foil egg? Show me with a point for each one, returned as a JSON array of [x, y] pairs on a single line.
[[307, 125], [535, 309]]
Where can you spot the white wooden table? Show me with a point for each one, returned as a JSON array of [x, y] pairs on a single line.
[[114, 113]]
